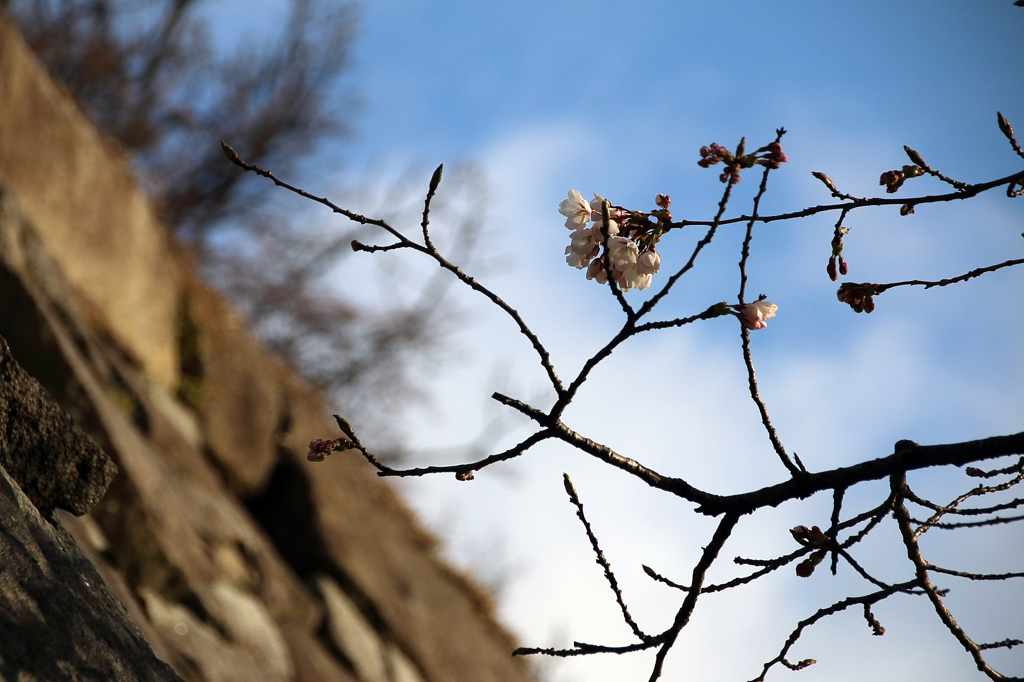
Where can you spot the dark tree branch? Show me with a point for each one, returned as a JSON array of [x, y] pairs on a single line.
[[908, 456], [722, 533], [866, 600], [898, 482], [603, 563], [428, 250], [952, 280], [971, 191], [773, 436]]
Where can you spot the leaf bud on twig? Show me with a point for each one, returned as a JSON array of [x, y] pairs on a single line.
[[435, 179], [826, 180], [569, 488], [914, 156], [345, 428], [230, 153], [1004, 125]]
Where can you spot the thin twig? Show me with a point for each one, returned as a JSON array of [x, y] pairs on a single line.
[[837, 507], [464, 471], [841, 605], [603, 562], [973, 576], [722, 533], [745, 251], [975, 492], [429, 250], [773, 436], [435, 180], [971, 191], [918, 161], [712, 228], [355, 217], [583, 649], [898, 483], [879, 288], [995, 521]]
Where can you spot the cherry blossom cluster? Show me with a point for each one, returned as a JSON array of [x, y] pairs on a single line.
[[770, 156], [628, 239]]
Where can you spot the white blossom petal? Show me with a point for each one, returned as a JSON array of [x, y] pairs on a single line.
[[575, 210], [648, 263]]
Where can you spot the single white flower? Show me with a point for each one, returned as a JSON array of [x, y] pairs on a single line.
[[753, 315], [648, 263], [584, 245], [623, 252], [642, 282], [596, 271], [595, 207], [613, 227], [631, 278], [575, 210]]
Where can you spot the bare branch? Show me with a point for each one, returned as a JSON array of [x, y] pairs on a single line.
[[908, 456], [898, 483], [971, 191], [841, 605], [722, 533], [879, 288], [773, 436], [603, 563]]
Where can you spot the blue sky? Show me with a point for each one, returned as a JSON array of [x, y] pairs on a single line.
[[616, 98]]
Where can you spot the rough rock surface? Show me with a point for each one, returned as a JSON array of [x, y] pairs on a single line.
[[58, 619], [236, 558], [54, 462]]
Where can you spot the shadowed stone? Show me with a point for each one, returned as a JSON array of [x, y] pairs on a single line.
[[58, 620], [52, 460]]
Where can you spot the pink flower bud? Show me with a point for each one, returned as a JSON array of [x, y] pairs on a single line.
[[662, 201], [892, 180], [318, 449], [596, 271], [753, 315], [648, 263]]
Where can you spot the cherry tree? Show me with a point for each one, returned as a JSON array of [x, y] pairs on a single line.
[[617, 248]]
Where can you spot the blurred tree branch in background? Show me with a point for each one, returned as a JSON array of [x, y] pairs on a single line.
[[148, 73]]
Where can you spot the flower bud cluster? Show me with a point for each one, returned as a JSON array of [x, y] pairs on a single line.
[[810, 537], [628, 237], [858, 296], [831, 268], [319, 448], [837, 251], [770, 156], [894, 179]]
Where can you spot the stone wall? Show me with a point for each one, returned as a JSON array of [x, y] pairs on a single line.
[[235, 557]]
